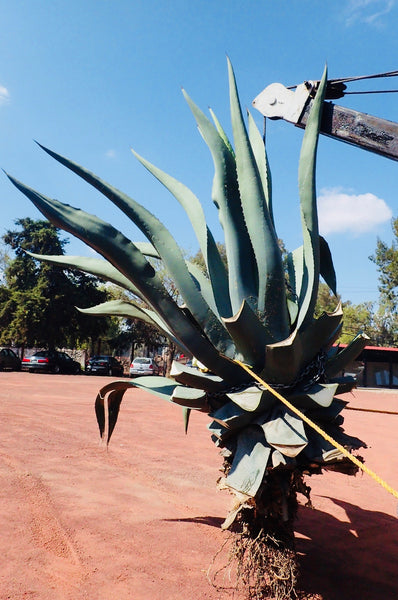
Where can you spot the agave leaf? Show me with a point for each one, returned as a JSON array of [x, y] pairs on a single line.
[[321, 333], [337, 364], [162, 387], [147, 249], [249, 335], [326, 265], [295, 269], [253, 399], [190, 398], [309, 214], [121, 308], [232, 416], [129, 310], [329, 413], [260, 155], [122, 253], [194, 210], [204, 286], [219, 432], [284, 431], [195, 378], [271, 286], [95, 266], [344, 384], [278, 459], [320, 394], [186, 413], [283, 360], [250, 461], [242, 271], [221, 132], [107, 419], [322, 451], [165, 245], [292, 307]]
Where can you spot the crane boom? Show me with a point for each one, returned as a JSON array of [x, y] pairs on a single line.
[[368, 132]]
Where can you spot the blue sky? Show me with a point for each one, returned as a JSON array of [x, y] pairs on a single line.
[[93, 78]]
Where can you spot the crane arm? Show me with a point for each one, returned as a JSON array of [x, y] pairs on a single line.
[[353, 127]]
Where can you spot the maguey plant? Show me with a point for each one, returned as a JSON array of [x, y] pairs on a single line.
[[258, 311]]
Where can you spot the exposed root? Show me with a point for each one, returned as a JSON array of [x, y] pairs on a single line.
[[258, 557], [261, 567], [265, 566]]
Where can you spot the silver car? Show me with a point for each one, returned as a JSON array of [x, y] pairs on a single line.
[[143, 366]]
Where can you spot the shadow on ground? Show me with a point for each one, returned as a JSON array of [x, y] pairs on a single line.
[[211, 521], [357, 558]]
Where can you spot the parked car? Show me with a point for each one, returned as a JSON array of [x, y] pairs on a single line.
[[143, 366], [9, 360], [104, 365], [50, 361]]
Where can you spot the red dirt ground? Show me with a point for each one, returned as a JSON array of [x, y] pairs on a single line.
[[141, 520]]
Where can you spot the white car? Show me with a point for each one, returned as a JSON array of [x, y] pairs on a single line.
[[143, 366]]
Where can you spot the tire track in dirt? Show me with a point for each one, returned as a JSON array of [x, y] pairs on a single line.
[[40, 528]]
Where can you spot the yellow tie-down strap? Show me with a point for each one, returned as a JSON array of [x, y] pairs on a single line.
[[327, 437]]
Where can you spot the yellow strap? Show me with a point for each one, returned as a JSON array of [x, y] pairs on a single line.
[[327, 437]]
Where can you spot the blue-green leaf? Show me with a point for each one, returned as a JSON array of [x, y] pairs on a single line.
[[107, 419], [95, 266], [126, 257], [167, 248], [250, 336], [225, 193], [193, 377], [260, 155], [189, 397], [284, 431], [129, 310], [326, 265], [309, 213], [208, 246], [271, 277], [162, 387], [320, 394], [343, 357], [186, 413], [221, 132], [250, 461]]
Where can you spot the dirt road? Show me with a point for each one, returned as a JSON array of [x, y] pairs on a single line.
[[140, 521]]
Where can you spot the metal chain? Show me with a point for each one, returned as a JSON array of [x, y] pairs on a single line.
[[316, 366]]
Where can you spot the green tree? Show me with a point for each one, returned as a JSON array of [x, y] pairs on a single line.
[[386, 260], [38, 300]]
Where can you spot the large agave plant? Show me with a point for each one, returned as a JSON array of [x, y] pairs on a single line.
[[255, 311]]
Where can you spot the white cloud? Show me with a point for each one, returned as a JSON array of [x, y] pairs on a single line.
[[368, 11], [342, 212], [110, 153], [4, 95]]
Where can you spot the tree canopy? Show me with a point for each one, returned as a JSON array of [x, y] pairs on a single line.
[[38, 300], [386, 260]]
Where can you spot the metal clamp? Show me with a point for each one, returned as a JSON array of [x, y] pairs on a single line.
[[279, 102]]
